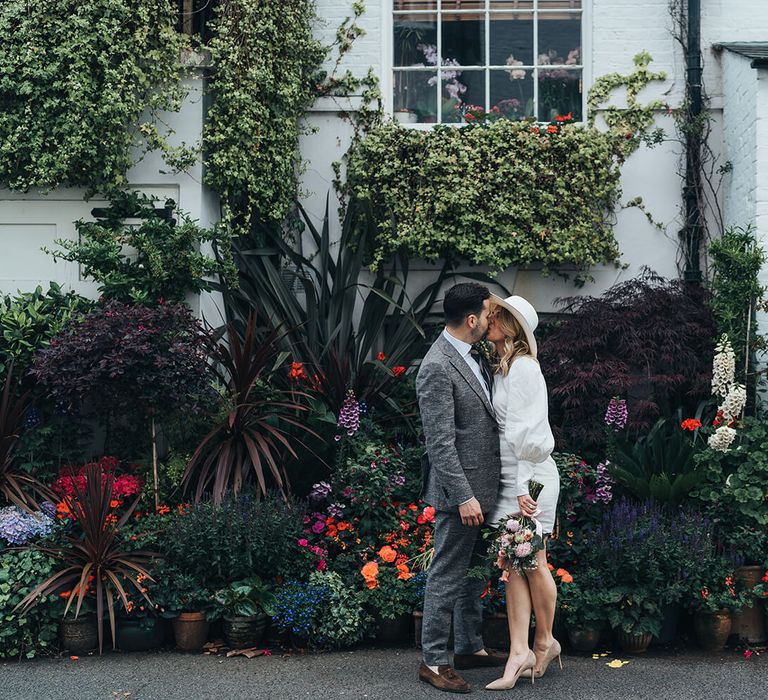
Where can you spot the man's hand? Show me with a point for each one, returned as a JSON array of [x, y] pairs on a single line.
[[471, 513], [527, 505]]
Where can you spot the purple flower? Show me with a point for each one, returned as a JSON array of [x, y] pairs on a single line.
[[18, 526], [513, 525], [320, 491], [348, 492], [335, 510], [397, 479], [616, 413], [318, 526], [349, 416]]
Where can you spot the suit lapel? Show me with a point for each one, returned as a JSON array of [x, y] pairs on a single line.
[[463, 368]]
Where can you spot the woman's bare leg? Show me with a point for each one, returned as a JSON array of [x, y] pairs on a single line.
[[519, 619], [544, 598]]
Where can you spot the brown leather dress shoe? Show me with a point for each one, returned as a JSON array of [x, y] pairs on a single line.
[[494, 658], [445, 679]]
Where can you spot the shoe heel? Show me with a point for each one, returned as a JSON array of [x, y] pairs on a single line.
[[560, 662]]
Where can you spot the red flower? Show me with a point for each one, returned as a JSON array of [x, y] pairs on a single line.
[[551, 129], [398, 370], [690, 424], [297, 372], [564, 118], [382, 357]]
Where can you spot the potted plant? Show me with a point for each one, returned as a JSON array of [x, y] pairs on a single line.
[[716, 594], [91, 550], [140, 627], [78, 633], [760, 593], [635, 616], [390, 594], [583, 608], [246, 607], [187, 603]]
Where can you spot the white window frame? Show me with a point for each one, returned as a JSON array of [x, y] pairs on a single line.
[[387, 56]]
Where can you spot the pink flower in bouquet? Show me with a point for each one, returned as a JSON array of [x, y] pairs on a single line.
[[523, 550], [501, 561], [513, 525], [505, 540], [527, 536]]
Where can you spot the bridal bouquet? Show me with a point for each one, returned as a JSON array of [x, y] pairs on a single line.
[[516, 540]]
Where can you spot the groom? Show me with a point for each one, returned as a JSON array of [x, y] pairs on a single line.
[[454, 386]]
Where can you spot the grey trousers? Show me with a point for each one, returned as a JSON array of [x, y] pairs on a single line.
[[450, 593]]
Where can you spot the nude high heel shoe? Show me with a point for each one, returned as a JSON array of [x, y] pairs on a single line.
[[553, 651], [527, 665]]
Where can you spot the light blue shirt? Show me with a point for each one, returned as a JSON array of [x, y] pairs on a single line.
[[464, 350]]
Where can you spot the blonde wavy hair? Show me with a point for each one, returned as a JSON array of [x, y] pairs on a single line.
[[515, 343]]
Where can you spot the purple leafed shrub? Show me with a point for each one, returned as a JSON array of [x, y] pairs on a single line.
[[649, 340], [121, 356]]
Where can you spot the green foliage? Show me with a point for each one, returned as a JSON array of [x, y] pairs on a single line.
[[738, 479], [736, 291], [634, 609], [246, 598], [159, 259], [630, 123], [392, 597], [583, 601], [75, 78], [265, 76], [240, 538], [29, 320], [33, 631], [343, 620], [500, 194], [660, 465]]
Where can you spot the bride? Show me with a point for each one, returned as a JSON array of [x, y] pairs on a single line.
[[520, 402]]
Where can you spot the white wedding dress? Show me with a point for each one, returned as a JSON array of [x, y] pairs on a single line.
[[520, 402]]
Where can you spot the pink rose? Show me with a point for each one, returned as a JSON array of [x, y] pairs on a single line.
[[302, 542], [523, 550]]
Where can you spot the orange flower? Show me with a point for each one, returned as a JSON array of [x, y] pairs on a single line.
[[163, 510], [561, 573], [370, 571], [331, 531], [690, 424], [405, 572], [550, 567], [429, 514], [114, 503], [566, 578], [551, 129], [342, 526], [65, 594], [387, 554]]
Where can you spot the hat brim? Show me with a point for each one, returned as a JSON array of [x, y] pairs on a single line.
[[529, 337]]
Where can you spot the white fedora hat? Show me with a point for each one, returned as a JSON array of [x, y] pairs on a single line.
[[525, 315]]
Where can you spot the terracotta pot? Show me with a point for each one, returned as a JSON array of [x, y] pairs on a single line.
[[669, 626], [79, 635], [586, 638], [396, 631], [191, 631], [496, 631], [712, 629], [633, 643], [242, 632], [749, 623], [140, 635]]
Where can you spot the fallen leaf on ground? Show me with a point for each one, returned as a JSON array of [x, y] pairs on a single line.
[[616, 663], [250, 653], [596, 656]]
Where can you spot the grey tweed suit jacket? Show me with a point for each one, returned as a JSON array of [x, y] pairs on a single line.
[[461, 431]]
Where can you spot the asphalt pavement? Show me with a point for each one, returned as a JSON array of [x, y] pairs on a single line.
[[378, 674]]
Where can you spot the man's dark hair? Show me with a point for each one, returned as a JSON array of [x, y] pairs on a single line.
[[464, 299]]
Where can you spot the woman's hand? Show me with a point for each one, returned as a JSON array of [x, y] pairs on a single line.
[[527, 505]]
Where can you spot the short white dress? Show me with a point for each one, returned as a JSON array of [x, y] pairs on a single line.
[[520, 402]]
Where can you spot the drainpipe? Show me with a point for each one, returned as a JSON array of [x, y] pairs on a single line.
[[693, 229]]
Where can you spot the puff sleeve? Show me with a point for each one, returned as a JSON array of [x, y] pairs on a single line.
[[526, 430]]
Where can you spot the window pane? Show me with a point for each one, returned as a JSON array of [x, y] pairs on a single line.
[[559, 93], [460, 90], [559, 40], [512, 93], [559, 4], [415, 96], [512, 4], [415, 40], [406, 5], [463, 40], [511, 39]]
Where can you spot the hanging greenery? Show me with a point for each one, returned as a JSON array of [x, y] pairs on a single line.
[[265, 75], [76, 78], [502, 193]]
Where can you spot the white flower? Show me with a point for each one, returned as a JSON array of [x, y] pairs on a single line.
[[516, 74], [723, 367], [735, 400], [722, 438]]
